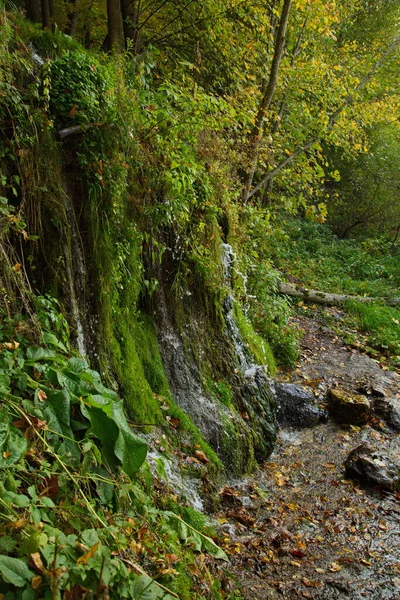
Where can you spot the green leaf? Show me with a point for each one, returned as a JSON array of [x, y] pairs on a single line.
[[13, 445], [34, 354], [145, 588], [7, 544], [109, 425], [189, 534], [14, 571], [130, 448], [57, 411], [52, 340]]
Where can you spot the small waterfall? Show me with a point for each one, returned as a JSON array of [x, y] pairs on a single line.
[[248, 367], [188, 487], [76, 275]]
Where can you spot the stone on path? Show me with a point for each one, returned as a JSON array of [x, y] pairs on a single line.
[[348, 408], [389, 410], [296, 406], [375, 465]]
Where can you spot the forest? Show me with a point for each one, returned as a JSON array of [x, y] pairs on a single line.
[[199, 279]]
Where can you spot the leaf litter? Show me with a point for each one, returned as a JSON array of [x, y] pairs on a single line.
[[299, 528]]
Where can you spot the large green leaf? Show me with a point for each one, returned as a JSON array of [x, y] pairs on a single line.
[[130, 448], [14, 571], [56, 411], [109, 425]]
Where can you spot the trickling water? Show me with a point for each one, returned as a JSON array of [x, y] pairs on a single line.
[[249, 368], [186, 486], [76, 273], [36, 57]]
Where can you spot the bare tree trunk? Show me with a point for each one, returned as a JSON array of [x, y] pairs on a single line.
[[130, 17], [33, 10], [72, 24], [115, 36], [268, 96], [46, 14]]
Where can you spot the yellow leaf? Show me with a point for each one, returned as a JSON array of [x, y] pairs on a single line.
[[36, 581], [82, 560]]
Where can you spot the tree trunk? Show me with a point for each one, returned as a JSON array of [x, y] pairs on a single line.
[[316, 297], [33, 10], [46, 15], [268, 96], [115, 37], [130, 17], [71, 26]]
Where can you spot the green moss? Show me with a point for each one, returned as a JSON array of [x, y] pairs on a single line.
[[222, 391], [237, 445], [258, 346]]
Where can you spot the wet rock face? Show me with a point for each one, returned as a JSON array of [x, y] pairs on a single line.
[[373, 465], [348, 408], [296, 406], [389, 410]]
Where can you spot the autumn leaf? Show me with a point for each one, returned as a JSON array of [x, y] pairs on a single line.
[[82, 560], [41, 396], [36, 582], [313, 584], [199, 454], [35, 561]]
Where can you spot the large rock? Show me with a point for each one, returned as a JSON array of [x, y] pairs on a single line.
[[296, 406], [375, 465], [348, 408], [389, 410]]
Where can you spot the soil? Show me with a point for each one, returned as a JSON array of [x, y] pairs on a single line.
[[299, 528]]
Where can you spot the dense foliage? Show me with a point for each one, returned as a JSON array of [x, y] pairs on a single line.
[[146, 134]]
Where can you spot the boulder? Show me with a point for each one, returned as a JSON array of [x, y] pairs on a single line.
[[296, 406], [389, 410], [348, 408], [373, 465]]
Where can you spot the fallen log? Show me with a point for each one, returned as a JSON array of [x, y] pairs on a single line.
[[78, 129], [317, 297]]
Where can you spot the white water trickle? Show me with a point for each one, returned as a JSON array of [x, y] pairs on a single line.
[[185, 486], [76, 271]]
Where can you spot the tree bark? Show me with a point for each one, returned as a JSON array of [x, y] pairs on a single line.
[[70, 28], [46, 14], [268, 96], [33, 10], [317, 297], [115, 37], [130, 17]]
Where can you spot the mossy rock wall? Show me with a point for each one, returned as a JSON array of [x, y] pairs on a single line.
[[228, 397]]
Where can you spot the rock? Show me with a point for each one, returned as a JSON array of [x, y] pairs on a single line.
[[389, 410], [348, 408], [375, 466], [296, 406]]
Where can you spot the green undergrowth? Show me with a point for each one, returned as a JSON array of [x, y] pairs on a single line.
[[80, 511], [316, 258], [381, 327], [320, 260]]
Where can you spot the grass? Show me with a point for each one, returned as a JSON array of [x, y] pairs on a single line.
[[318, 259]]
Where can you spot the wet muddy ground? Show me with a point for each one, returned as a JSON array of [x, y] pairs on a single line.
[[299, 528]]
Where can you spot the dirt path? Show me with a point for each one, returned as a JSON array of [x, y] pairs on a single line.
[[299, 528]]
